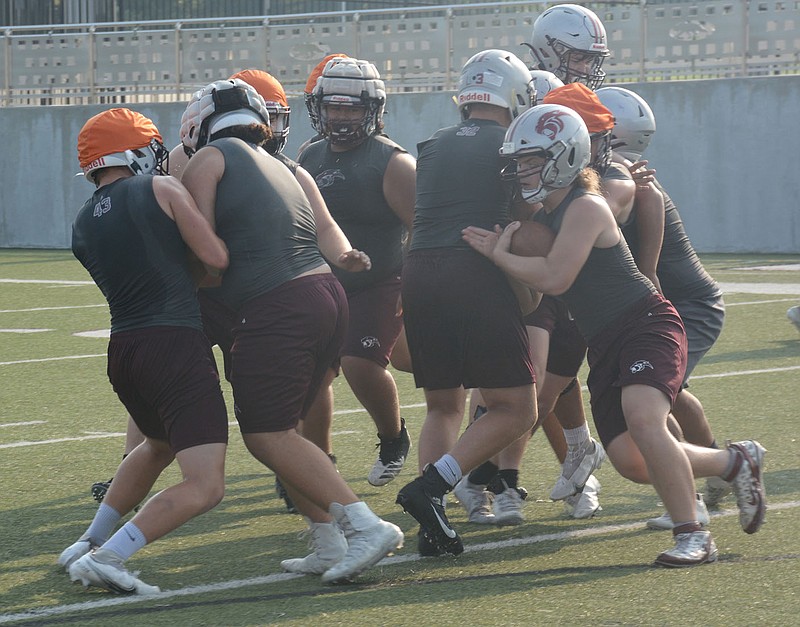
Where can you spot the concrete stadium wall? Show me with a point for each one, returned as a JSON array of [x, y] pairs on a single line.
[[725, 150]]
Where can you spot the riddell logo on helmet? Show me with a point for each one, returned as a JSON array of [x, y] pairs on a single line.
[[97, 163], [473, 97]]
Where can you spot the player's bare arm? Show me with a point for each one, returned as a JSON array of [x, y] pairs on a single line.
[[620, 195], [201, 176], [195, 229], [588, 222], [650, 229], [399, 187], [333, 243]]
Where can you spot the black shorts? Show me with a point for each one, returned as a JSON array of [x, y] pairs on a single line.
[[218, 321], [567, 346], [463, 322], [167, 379], [283, 343]]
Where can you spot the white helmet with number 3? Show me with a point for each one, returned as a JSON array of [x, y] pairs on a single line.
[[566, 30], [634, 122], [559, 136], [495, 77], [220, 105]]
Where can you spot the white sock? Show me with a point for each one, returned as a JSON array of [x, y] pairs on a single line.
[[104, 522], [126, 541], [577, 437], [449, 469]]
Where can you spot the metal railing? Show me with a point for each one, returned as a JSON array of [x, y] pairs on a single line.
[[415, 49]]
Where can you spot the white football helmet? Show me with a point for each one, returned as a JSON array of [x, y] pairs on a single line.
[[544, 82], [555, 133], [634, 122], [347, 82], [566, 30], [495, 77], [220, 105]]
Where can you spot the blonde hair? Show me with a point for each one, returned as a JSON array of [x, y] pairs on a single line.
[[589, 180]]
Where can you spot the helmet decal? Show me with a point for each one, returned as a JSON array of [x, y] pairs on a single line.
[[550, 124]]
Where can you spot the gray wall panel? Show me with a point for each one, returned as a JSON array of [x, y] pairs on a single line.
[[725, 150]]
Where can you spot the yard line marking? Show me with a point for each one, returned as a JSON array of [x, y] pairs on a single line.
[[50, 308], [760, 288], [763, 302], [35, 361], [745, 372], [361, 410], [25, 330], [387, 561], [47, 281], [59, 440], [23, 424]]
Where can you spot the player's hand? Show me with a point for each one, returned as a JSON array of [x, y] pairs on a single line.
[[354, 261], [489, 243], [642, 176]]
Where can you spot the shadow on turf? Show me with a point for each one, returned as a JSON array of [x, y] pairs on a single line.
[[251, 500], [384, 593]]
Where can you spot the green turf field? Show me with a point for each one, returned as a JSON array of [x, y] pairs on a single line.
[[61, 429]]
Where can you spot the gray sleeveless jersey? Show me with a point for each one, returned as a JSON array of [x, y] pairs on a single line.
[[680, 271], [459, 185], [351, 183], [266, 221], [137, 257], [607, 284]]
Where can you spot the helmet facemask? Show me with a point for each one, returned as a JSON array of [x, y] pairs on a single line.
[[348, 129], [602, 158], [150, 159], [517, 170], [279, 122], [569, 58]]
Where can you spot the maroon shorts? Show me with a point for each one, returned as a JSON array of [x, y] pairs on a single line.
[[567, 346], [167, 379], [646, 346], [283, 343], [373, 325], [463, 322], [218, 320]]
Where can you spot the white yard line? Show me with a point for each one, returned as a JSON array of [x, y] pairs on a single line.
[[47, 281], [46, 359], [387, 561], [760, 288], [25, 330], [97, 436], [51, 308]]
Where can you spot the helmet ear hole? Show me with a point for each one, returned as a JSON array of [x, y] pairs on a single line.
[[571, 157]]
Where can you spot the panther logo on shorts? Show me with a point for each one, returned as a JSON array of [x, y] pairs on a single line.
[[370, 341], [641, 365]]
